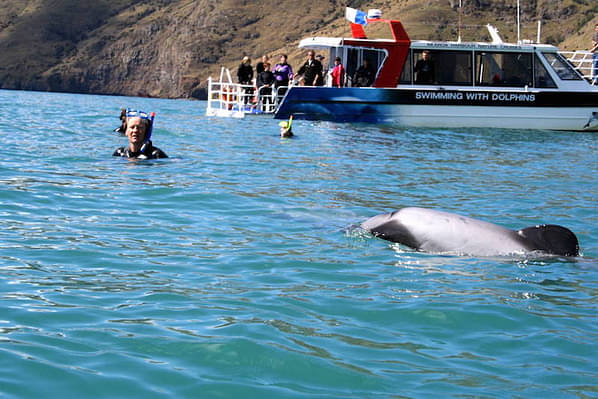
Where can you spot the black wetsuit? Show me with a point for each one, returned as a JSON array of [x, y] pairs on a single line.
[[149, 152]]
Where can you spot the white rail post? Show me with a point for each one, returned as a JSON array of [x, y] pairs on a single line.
[[210, 93]]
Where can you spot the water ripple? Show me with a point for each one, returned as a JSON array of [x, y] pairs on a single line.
[[232, 269]]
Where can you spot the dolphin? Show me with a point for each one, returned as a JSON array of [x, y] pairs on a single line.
[[435, 231]]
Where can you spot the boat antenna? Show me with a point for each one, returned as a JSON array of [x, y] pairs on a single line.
[[518, 24], [460, 12], [539, 31]]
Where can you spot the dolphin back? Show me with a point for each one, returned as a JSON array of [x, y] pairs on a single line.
[[552, 239], [436, 231]]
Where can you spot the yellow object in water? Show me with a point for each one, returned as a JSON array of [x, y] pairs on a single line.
[[286, 124]]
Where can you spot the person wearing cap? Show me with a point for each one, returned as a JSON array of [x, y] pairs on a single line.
[[310, 70], [338, 73], [139, 131], [245, 77]]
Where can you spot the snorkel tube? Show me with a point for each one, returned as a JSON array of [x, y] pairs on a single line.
[[285, 127], [148, 136]]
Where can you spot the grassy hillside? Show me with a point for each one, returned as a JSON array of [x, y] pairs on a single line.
[[168, 48]]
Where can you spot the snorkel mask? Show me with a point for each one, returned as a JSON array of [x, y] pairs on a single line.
[[286, 124], [131, 113]]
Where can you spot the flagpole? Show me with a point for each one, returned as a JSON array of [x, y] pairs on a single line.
[[518, 24], [460, 12]]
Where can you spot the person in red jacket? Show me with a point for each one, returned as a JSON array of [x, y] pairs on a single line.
[[338, 73]]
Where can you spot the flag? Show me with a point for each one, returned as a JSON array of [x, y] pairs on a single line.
[[356, 16]]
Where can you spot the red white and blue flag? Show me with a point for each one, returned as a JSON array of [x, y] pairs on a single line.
[[356, 16]]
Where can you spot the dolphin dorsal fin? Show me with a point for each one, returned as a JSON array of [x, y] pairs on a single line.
[[552, 239]]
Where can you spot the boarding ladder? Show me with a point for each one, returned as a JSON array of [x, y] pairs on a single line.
[[229, 99]]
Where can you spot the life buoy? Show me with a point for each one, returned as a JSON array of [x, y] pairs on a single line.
[[226, 97]]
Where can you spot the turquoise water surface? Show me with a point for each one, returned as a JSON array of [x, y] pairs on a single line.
[[232, 270]]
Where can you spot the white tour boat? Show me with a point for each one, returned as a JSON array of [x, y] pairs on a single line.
[[465, 84]]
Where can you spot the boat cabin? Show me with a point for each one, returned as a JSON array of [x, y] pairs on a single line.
[[484, 65]]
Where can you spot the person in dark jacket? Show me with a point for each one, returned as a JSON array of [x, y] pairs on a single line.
[[311, 70], [265, 81], [245, 77], [259, 67], [424, 69], [364, 76]]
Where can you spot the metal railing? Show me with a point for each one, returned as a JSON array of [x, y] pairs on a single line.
[[229, 99], [582, 61]]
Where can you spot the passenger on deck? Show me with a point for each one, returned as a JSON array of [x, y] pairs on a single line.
[[265, 80], [139, 131], [320, 77], [283, 73], [364, 76], [259, 68], [424, 69], [338, 73], [594, 50], [310, 70], [245, 76]]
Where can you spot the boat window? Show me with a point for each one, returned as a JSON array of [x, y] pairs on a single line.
[[561, 66], [352, 63], [503, 69], [543, 79], [406, 74], [442, 67], [356, 58]]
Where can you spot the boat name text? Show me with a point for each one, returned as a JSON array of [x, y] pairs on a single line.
[[475, 96]]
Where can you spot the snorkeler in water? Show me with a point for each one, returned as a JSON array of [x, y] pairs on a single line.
[[138, 130], [123, 119], [286, 128]]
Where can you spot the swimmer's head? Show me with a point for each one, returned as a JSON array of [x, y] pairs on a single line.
[[141, 121], [286, 132], [285, 128]]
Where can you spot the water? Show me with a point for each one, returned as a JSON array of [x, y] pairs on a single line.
[[231, 269]]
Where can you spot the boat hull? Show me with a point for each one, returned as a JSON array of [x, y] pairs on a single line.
[[452, 108]]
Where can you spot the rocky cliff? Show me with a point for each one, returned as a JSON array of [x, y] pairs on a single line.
[[168, 48]]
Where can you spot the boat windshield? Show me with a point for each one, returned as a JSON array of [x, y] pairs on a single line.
[[543, 79], [561, 66]]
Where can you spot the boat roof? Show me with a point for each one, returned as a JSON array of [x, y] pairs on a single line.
[[318, 42]]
